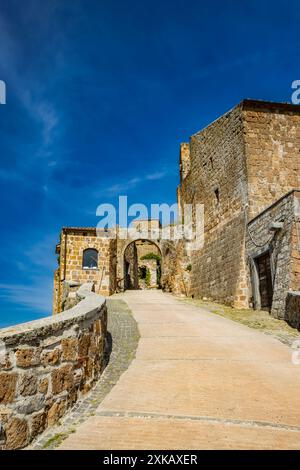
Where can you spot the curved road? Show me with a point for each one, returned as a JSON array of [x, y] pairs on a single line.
[[199, 381]]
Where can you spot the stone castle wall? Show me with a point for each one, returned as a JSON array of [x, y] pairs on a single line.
[[239, 165], [46, 365], [217, 179], [272, 147]]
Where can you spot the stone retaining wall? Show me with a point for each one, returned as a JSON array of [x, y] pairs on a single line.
[[46, 365], [292, 311]]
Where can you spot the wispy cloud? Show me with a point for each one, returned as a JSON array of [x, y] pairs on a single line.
[[32, 94], [156, 176], [126, 185], [44, 113], [42, 253], [36, 296]]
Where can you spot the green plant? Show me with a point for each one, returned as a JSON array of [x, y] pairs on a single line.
[[151, 256], [148, 277], [188, 267], [55, 440]]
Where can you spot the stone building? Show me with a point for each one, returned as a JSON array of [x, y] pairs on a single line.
[[244, 169], [108, 259], [83, 257]]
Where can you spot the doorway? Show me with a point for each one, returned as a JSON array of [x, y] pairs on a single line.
[[264, 272], [142, 265]]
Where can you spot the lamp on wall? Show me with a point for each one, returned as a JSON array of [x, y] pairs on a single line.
[[275, 226]]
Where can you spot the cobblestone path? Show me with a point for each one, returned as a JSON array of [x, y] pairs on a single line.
[[124, 333], [198, 381]]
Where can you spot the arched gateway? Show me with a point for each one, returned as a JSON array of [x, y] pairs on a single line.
[[142, 265], [113, 261]]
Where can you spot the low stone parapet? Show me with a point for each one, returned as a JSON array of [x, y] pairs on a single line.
[[292, 311], [46, 365]]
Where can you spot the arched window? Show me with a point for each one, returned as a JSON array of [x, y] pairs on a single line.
[[90, 259]]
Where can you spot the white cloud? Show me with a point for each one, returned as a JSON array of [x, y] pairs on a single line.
[[124, 186], [36, 296], [156, 176], [119, 188], [42, 252]]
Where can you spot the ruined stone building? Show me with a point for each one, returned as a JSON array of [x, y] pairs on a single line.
[[245, 169]]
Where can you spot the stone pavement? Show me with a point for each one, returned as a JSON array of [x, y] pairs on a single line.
[[199, 381]]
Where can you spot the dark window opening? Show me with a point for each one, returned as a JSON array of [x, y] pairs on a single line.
[[90, 259], [217, 194], [142, 272]]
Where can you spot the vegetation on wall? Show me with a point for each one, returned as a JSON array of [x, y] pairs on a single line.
[[147, 278], [144, 275], [151, 256]]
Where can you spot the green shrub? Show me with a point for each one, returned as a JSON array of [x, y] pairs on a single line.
[[151, 256]]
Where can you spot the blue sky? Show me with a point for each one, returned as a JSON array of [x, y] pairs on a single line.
[[99, 96]]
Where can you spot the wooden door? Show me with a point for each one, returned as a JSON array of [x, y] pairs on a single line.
[[265, 281]]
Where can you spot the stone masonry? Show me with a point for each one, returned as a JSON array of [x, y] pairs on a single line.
[[46, 365], [73, 242], [240, 164]]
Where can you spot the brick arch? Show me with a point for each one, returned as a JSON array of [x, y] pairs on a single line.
[[122, 252], [142, 239]]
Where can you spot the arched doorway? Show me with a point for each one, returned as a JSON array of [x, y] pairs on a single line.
[[142, 265]]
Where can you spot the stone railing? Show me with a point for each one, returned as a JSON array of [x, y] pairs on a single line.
[[46, 365], [292, 309]]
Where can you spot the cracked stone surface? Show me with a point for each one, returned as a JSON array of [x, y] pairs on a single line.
[[198, 381]]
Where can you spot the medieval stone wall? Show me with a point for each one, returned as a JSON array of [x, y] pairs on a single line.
[[46, 365], [217, 179], [272, 146], [236, 167]]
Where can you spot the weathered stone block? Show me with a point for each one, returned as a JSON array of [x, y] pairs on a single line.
[[8, 383], [27, 357], [51, 358], [6, 361], [28, 384], [83, 345], [56, 411], [43, 386], [62, 379], [17, 433], [38, 424], [69, 349], [28, 405]]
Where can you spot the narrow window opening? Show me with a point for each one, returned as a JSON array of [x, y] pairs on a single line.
[[90, 259], [217, 194]]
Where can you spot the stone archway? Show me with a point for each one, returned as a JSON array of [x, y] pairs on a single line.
[[142, 265]]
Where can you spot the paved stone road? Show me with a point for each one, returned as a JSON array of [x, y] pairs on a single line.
[[199, 381]]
